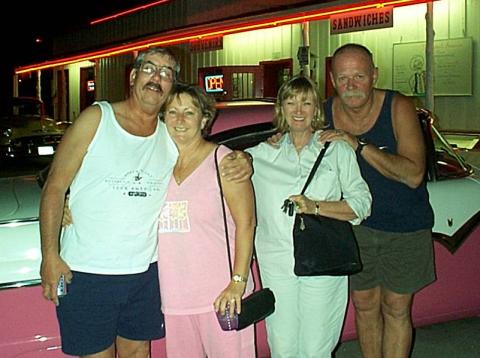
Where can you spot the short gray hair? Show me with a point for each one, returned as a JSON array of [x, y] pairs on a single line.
[[353, 47], [157, 51]]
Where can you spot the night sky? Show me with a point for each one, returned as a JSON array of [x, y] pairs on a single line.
[[44, 19]]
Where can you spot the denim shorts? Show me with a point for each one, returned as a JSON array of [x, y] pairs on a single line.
[[400, 262], [98, 308]]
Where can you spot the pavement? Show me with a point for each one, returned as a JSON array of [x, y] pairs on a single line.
[[454, 339]]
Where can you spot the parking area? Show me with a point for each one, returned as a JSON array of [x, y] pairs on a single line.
[[457, 338]]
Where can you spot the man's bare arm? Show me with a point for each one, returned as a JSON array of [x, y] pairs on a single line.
[[408, 165], [67, 160]]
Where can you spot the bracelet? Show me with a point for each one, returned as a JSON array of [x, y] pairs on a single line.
[[239, 278], [317, 208]]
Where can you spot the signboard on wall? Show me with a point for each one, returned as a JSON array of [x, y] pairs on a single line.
[[452, 67], [361, 20], [90, 85], [206, 44]]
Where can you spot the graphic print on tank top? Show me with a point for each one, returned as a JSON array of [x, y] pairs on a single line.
[[174, 217], [136, 183]]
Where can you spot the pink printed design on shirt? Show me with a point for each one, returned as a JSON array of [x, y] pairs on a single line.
[[174, 217]]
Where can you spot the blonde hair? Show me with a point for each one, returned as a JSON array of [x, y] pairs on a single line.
[[295, 86]]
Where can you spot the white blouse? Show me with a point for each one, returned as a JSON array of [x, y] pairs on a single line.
[[279, 171]]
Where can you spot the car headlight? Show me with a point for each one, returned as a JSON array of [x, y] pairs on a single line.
[[7, 132]]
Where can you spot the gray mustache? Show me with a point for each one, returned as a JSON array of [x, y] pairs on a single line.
[[353, 93], [155, 85]]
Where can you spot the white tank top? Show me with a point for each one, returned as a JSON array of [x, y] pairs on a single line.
[[116, 198]]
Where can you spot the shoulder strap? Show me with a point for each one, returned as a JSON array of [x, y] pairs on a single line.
[[224, 212], [315, 166]]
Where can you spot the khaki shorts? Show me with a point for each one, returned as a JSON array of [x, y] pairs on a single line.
[[400, 262]]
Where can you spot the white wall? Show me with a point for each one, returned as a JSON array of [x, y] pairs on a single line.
[[452, 19], [249, 48], [74, 87]]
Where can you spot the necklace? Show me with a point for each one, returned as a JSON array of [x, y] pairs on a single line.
[[180, 173]]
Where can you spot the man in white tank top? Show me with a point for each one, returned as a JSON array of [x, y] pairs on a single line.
[[117, 160]]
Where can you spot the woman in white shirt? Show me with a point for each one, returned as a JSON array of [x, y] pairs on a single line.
[[309, 311]]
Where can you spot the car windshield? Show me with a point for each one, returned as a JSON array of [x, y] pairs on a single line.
[[22, 107], [449, 163], [26, 109]]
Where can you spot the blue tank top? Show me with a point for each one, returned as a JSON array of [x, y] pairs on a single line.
[[395, 206]]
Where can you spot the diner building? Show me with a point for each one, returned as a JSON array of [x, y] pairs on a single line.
[[246, 49]]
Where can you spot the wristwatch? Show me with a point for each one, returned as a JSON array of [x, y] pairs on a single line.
[[238, 278], [360, 144]]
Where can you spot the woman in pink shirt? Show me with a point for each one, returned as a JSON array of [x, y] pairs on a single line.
[[192, 257]]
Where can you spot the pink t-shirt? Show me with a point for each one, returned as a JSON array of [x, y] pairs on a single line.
[[192, 249]]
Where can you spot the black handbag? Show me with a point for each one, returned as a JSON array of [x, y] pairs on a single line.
[[255, 307], [322, 245]]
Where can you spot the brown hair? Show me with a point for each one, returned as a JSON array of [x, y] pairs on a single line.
[[200, 99]]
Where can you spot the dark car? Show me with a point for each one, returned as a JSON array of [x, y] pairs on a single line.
[[26, 131]]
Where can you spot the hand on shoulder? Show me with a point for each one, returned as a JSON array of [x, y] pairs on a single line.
[[236, 166], [274, 140]]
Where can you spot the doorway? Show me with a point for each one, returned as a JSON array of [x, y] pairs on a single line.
[[275, 73], [87, 87]]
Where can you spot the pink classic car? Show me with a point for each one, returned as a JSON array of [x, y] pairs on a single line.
[[29, 327]]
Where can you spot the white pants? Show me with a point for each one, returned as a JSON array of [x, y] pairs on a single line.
[[309, 314]]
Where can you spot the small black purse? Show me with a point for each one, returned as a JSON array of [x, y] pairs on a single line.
[[257, 306], [322, 245]]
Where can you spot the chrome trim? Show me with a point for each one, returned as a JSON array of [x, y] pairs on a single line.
[[18, 284], [19, 222], [453, 243]]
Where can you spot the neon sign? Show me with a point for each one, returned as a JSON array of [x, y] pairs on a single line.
[[214, 83]]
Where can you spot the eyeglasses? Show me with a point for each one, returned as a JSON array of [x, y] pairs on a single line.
[[165, 72]]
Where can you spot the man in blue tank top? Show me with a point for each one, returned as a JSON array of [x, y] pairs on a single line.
[[395, 241], [116, 159]]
